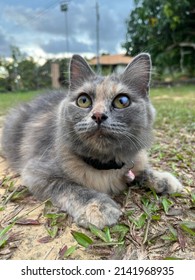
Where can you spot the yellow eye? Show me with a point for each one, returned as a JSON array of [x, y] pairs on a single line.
[[84, 101], [121, 101]]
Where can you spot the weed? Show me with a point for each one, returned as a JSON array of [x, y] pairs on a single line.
[[3, 234], [55, 220], [82, 239]]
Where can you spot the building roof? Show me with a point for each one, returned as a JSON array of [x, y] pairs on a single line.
[[111, 59]]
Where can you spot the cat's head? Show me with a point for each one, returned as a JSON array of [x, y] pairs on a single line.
[[109, 117]]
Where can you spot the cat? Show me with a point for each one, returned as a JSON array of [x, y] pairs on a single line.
[[78, 148]]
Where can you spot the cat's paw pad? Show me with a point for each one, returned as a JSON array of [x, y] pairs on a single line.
[[100, 213], [165, 182]]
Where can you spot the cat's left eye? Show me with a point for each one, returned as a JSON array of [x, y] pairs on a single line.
[[84, 101], [121, 101]]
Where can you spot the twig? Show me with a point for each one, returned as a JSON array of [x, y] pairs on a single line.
[[146, 231], [47, 254]]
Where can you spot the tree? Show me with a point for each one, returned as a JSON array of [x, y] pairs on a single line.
[[166, 29], [23, 73]]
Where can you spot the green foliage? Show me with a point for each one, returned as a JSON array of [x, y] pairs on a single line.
[[3, 234], [140, 221], [55, 220], [82, 238], [172, 234], [167, 203], [24, 73], [166, 30], [104, 236], [69, 251], [188, 227]]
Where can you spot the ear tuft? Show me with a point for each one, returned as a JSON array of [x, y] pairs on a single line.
[[79, 71], [137, 73]]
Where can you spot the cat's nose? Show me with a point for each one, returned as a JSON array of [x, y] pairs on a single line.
[[99, 117]]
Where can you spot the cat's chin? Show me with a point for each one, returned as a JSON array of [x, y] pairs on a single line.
[[100, 143], [101, 137]]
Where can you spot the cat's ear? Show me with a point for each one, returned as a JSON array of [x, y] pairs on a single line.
[[79, 71], [137, 73]]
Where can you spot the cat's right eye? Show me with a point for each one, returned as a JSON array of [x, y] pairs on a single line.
[[84, 101]]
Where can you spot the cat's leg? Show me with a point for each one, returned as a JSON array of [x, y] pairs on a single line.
[[162, 182], [84, 205], [87, 206]]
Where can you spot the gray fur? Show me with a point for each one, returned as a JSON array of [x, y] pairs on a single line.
[[45, 141]]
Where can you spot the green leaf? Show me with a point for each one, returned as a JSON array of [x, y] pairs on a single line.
[[3, 240], [52, 231], [129, 213], [69, 251], [55, 216], [19, 195], [189, 224], [55, 220], [166, 204], [193, 197], [173, 231], [168, 237], [156, 217], [187, 229], [172, 236], [154, 193], [107, 232], [49, 208], [2, 208], [3, 236], [176, 195], [180, 156], [121, 229], [6, 229], [99, 233], [172, 258], [145, 201], [141, 220], [139, 223], [82, 238]]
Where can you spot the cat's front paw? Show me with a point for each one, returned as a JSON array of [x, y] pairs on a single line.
[[99, 212], [165, 182]]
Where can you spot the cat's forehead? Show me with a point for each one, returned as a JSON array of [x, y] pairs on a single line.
[[104, 86], [109, 86]]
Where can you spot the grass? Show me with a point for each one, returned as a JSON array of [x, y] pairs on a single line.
[[175, 107], [152, 226], [9, 100]]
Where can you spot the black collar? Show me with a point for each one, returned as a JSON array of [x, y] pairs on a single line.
[[95, 163]]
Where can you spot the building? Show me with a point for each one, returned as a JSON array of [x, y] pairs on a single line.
[[111, 63]]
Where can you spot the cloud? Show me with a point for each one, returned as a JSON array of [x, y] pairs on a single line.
[[46, 28], [59, 46]]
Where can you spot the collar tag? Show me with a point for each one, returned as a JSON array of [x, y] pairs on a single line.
[[130, 176]]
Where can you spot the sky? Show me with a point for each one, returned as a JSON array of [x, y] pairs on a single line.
[[38, 27]]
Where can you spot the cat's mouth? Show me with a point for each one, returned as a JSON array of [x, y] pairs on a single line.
[[97, 134], [101, 133]]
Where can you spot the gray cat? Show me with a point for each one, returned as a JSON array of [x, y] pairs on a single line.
[[77, 149]]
